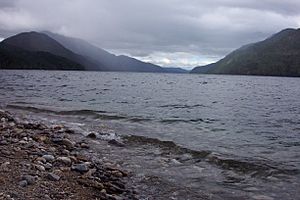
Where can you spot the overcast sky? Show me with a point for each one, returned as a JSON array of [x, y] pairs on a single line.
[[183, 33]]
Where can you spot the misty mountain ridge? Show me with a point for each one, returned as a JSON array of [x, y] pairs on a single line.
[[76, 51], [39, 42], [12, 57], [278, 55], [110, 61]]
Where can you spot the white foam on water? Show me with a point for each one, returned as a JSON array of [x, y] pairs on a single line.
[[108, 136]]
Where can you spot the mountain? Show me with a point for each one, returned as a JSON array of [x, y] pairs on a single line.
[[175, 70], [12, 57], [39, 42], [104, 58], [69, 50], [278, 55]]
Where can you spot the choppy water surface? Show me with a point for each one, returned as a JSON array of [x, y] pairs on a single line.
[[232, 136]]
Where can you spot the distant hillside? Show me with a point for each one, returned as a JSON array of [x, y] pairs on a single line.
[[39, 47], [39, 42], [278, 55], [175, 70], [104, 58], [12, 57]]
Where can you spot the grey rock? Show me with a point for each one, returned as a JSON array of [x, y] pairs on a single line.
[[116, 143], [64, 160], [48, 158], [69, 131], [3, 120], [47, 197], [65, 152], [41, 159], [6, 116], [30, 179], [82, 168], [40, 168], [23, 142], [48, 166], [68, 143], [84, 146], [23, 183], [92, 135], [12, 124], [39, 163], [57, 140], [53, 177], [4, 142], [14, 194], [5, 152]]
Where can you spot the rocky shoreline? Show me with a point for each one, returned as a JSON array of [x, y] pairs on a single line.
[[47, 162]]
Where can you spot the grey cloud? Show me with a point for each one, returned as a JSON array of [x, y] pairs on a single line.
[[7, 3], [205, 29]]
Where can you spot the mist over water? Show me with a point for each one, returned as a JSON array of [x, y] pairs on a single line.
[[242, 124]]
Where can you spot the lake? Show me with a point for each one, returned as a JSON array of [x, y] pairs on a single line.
[[231, 136]]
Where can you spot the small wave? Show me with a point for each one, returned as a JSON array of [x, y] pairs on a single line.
[[92, 89], [182, 106], [106, 135], [62, 86], [103, 115], [139, 119], [91, 113], [255, 168], [63, 100], [28, 108], [167, 146], [176, 120]]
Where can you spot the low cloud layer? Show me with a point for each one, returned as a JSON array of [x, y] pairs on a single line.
[[183, 33]]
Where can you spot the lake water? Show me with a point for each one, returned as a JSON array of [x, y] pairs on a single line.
[[240, 134]]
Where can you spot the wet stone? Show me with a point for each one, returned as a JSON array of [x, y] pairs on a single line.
[[68, 143], [53, 177], [84, 146], [4, 142], [117, 173], [5, 152], [48, 158], [41, 159], [57, 140], [40, 168], [47, 197], [23, 183], [65, 152], [92, 135], [64, 160], [91, 183], [11, 124], [82, 168], [116, 143], [48, 166], [30, 179], [23, 142], [69, 131], [3, 119], [14, 194], [4, 167]]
